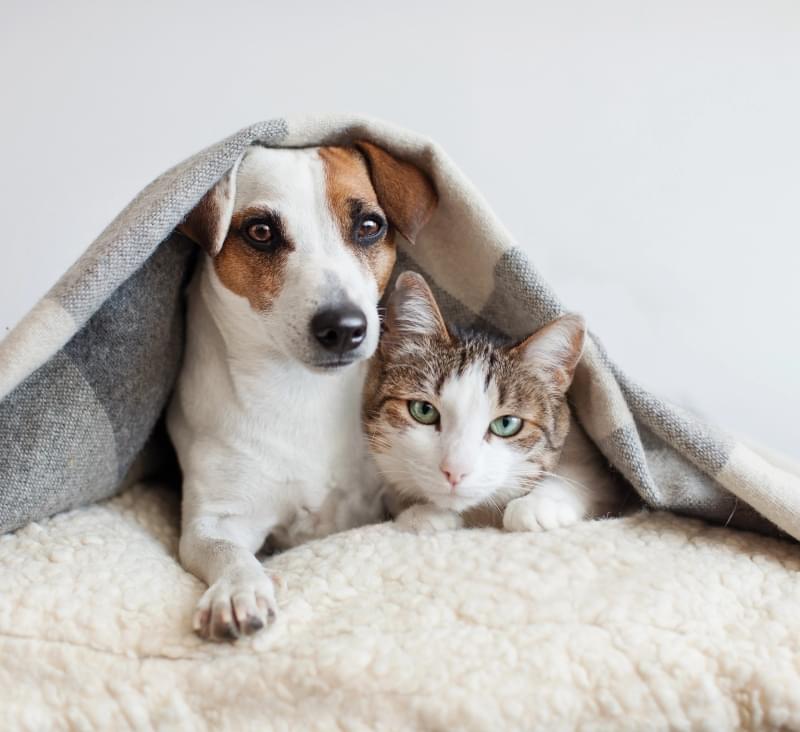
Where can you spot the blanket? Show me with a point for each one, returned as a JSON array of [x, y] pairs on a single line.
[[86, 374], [650, 622]]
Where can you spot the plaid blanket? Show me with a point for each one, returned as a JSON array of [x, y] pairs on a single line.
[[86, 374]]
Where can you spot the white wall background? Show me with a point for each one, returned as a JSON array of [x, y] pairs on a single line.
[[646, 154]]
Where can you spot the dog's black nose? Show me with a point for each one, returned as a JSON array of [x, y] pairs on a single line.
[[340, 329]]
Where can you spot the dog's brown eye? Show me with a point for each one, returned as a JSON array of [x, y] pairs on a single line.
[[261, 232], [369, 229]]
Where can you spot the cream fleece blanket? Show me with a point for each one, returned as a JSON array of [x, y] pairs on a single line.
[[643, 623]]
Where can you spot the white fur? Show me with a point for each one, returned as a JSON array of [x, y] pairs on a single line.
[[580, 488], [267, 445], [420, 454], [551, 505]]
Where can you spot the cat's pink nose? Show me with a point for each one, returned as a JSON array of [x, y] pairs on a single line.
[[453, 477]]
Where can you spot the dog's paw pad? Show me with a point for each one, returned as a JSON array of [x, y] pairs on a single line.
[[231, 609]]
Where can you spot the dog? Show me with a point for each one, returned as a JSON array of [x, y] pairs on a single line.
[[282, 315]]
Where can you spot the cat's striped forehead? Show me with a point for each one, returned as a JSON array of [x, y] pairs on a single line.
[[422, 366]]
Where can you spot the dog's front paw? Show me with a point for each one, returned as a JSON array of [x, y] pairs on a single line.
[[231, 608], [425, 518], [541, 513]]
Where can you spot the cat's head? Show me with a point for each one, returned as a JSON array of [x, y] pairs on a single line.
[[459, 420]]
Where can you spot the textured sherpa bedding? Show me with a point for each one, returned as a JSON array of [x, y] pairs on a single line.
[[650, 622]]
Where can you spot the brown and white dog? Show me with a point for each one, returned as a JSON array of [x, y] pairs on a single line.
[[282, 315]]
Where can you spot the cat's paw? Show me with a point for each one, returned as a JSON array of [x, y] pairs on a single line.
[[541, 512], [423, 518]]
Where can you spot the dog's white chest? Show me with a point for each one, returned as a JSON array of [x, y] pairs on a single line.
[[266, 444], [295, 446]]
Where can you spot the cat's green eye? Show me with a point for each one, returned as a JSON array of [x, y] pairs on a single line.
[[505, 426], [423, 412]]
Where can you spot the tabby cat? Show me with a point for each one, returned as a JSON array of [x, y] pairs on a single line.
[[462, 426]]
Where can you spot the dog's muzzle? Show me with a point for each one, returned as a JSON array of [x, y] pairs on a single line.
[[340, 329]]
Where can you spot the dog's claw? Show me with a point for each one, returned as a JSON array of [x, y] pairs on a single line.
[[253, 624], [230, 610], [225, 631], [200, 619]]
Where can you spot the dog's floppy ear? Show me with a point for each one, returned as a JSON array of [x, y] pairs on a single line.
[[404, 191], [208, 222]]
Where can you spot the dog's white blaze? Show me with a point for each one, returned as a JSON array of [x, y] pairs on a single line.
[[292, 184]]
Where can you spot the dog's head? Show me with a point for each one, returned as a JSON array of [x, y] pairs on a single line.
[[304, 240]]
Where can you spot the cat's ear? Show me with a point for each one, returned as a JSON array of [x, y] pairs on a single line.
[[556, 348], [412, 312]]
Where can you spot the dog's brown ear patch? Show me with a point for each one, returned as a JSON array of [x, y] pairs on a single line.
[[208, 222], [404, 191]]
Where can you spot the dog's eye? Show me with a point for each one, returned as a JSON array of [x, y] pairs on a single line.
[[369, 229], [262, 234]]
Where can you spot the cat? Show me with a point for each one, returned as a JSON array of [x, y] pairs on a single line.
[[467, 429]]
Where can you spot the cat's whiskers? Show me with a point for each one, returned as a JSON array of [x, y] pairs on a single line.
[[398, 473], [376, 443], [416, 475], [566, 480], [491, 502]]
